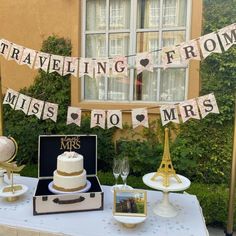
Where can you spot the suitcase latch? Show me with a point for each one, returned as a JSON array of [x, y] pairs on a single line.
[[44, 198]]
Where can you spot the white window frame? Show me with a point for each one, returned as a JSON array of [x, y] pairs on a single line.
[[132, 47]]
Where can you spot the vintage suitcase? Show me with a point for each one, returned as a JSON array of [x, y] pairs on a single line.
[[49, 147]]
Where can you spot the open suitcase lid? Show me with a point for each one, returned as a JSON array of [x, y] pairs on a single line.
[[50, 146]]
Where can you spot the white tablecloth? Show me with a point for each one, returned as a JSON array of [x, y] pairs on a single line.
[[19, 215]]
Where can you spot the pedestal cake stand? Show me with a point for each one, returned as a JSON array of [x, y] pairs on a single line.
[[165, 208]]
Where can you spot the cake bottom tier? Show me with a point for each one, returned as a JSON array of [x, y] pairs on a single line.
[[69, 183]]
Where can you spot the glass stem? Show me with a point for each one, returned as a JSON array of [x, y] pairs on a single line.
[[125, 182]]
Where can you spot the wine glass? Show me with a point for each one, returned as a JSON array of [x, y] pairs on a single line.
[[125, 171], [116, 171]]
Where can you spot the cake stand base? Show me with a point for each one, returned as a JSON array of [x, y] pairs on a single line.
[[165, 208]]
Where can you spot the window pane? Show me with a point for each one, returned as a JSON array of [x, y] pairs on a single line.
[[148, 42], [95, 45], [110, 36], [174, 13], [148, 15], [172, 38], [94, 89], [95, 15], [119, 14], [118, 88], [118, 44], [172, 85], [145, 87]]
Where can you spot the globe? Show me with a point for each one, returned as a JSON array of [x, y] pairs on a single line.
[[8, 148]]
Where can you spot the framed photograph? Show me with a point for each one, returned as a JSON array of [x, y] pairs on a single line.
[[130, 203]]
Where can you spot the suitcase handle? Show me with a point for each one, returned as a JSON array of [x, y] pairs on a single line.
[[76, 200]]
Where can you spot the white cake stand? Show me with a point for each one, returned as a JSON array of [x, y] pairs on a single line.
[[165, 208]]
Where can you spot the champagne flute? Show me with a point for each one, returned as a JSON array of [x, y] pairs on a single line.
[[125, 171], [116, 170]]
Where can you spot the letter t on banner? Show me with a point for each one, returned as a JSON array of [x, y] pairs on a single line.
[[5, 47], [114, 118], [98, 118]]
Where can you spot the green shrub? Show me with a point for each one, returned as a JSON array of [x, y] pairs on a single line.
[[144, 149], [202, 151], [53, 88], [214, 202]]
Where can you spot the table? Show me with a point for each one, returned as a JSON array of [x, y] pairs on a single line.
[[16, 218], [165, 208]]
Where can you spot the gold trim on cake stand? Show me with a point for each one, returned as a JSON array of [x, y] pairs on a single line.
[[53, 190]]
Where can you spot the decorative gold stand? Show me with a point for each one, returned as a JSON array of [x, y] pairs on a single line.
[[129, 225], [166, 169], [12, 199], [12, 196], [13, 190]]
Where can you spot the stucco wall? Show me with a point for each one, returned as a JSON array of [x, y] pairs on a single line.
[[28, 23]]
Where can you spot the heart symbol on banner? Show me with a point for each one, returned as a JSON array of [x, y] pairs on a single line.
[[140, 118], [74, 116], [144, 62]]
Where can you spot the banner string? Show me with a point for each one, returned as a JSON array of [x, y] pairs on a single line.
[[123, 110], [153, 51]]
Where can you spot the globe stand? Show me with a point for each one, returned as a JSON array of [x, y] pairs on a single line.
[[12, 196], [8, 150], [12, 199], [2, 171]]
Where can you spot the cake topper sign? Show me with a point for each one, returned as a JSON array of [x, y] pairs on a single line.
[[69, 143]]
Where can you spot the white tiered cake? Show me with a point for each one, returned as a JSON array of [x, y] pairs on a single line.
[[70, 174]]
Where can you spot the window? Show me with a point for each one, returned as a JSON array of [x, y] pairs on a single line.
[[126, 27]]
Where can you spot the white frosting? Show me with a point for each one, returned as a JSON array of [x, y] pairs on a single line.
[[70, 162], [69, 182]]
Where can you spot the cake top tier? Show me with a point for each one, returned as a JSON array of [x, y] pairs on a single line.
[[70, 156]]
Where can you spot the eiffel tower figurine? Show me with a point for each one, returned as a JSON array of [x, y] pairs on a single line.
[[166, 169]]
